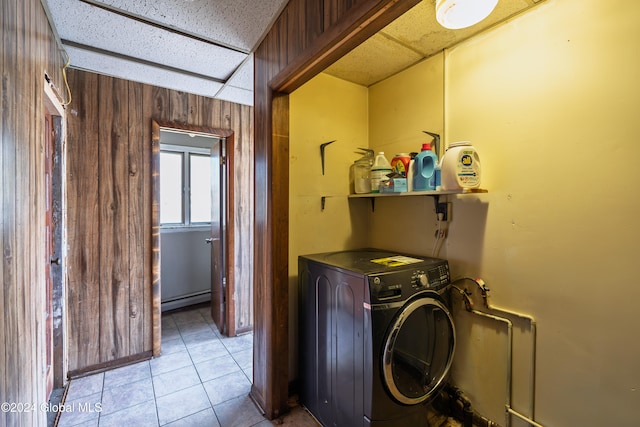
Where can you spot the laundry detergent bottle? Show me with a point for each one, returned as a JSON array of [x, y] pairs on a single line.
[[379, 171], [460, 167], [424, 169], [410, 171]]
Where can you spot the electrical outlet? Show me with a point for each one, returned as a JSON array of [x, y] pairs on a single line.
[[445, 210]]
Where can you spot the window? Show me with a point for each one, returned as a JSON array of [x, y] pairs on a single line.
[[171, 187], [200, 195], [185, 186]]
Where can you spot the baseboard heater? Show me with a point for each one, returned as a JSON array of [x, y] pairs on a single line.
[[185, 300]]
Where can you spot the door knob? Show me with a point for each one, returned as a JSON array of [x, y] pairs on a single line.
[[209, 240], [55, 261]]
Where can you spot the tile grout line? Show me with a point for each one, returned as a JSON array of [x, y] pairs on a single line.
[[239, 345], [155, 399], [219, 337], [104, 381], [193, 364]]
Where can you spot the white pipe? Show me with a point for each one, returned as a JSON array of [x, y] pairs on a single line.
[[509, 356], [533, 329], [522, 417], [532, 370]]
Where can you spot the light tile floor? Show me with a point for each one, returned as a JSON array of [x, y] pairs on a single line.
[[201, 379]]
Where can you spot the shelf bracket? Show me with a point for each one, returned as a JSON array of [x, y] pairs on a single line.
[[373, 204], [323, 201], [436, 142], [322, 148]]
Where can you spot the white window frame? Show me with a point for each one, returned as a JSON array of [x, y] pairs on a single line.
[[186, 151]]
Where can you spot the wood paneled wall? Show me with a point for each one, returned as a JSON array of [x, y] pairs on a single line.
[[307, 37], [28, 50], [109, 211]]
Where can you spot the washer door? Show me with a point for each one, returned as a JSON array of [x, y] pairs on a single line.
[[418, 350]]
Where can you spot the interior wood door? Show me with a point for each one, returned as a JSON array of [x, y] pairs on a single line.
[[217, 239], [49, 250]]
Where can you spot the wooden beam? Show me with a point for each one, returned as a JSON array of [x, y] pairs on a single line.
[[361, 22]]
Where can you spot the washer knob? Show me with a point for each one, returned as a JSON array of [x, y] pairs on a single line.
[[423, 280]]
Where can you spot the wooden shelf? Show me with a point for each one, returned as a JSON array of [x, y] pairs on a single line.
[[419, 193]]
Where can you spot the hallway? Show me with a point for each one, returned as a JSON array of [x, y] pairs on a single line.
[[201, 379]]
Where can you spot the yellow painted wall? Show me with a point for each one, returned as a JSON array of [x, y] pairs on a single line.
[[550, 100], [323, 110], [400, 109]]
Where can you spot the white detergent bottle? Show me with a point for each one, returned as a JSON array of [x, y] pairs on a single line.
[[460, 167], [411, 171], [379, 170]]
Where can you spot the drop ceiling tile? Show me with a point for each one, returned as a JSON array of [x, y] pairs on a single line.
[[416, 31], [115, 67], [243, 77], [374, 60], [238, 23], [419, 29], [82, 23], [236, 94]]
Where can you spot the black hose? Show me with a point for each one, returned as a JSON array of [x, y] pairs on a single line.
[[457, 396], [467, 417]]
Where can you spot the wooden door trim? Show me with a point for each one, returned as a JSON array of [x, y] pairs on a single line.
[[59, 284], [156, 295], [362, 21], [298, 46], [54, 108], [229, 246], [49, 147]]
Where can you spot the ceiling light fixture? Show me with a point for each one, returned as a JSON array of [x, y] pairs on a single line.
[[456, 14]]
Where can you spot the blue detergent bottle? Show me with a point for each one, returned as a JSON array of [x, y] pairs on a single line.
[[424, 169]]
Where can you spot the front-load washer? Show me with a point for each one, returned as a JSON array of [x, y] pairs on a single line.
[[376, 337]]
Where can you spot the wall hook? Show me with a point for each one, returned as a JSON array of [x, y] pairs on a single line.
[[322, 147]]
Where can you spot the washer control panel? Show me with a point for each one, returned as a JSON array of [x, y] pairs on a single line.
[[399, 285], [431, 278]]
